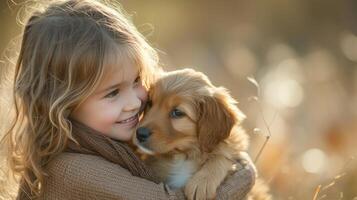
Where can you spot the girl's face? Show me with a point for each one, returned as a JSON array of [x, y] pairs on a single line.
[[114, 108]]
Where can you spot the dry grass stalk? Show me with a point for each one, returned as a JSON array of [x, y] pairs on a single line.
[[317, 192], [256, 99]]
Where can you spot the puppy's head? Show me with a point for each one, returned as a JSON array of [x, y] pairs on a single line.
[[186, 111]]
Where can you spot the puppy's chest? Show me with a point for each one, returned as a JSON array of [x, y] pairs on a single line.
[[180, 172]]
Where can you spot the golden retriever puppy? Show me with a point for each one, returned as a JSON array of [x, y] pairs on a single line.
[[191, 133]]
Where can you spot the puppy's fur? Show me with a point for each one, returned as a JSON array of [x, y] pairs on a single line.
[[191, 133]]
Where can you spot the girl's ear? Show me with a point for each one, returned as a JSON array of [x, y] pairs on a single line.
[[218, 115]]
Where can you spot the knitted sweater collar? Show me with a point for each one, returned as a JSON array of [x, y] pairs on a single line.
[[93, 142]]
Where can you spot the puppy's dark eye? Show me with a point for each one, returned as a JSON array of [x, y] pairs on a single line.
[[176, 113]]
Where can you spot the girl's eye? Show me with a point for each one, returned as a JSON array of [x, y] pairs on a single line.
[[176, 113], [112, 94]]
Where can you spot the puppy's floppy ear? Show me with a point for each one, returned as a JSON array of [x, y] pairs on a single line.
[[218, 115]]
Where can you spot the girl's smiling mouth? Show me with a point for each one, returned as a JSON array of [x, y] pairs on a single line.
[[130, 121]]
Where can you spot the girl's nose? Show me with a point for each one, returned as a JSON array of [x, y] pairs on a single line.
[[133, 102]]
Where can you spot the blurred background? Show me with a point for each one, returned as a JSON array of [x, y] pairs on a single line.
[[292, 65]]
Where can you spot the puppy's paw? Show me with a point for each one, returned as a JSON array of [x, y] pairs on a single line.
[[199, 187]]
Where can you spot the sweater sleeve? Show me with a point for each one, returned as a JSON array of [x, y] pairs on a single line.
[[79, 176]]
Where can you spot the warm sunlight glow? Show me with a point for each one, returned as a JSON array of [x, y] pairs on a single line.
[[314, 161]]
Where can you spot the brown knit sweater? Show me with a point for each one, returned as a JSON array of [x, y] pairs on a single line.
[[80, 176], [103, 168]]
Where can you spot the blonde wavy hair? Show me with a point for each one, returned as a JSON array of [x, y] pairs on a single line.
[[62, 59]]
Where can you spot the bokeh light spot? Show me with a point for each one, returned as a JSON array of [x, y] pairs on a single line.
[[314, 161]]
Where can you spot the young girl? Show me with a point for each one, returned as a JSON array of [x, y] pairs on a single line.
[[81, 82]]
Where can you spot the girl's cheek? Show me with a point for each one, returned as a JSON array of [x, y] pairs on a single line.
[[142, 93]]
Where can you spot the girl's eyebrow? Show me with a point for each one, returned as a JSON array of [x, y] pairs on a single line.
[[110, 87], [115, 85]]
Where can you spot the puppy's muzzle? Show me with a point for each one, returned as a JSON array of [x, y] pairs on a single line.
[[142, 134]]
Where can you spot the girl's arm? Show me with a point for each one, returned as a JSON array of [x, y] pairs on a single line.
[[79, 176]]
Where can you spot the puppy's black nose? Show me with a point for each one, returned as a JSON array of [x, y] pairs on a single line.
[[142, 134]]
